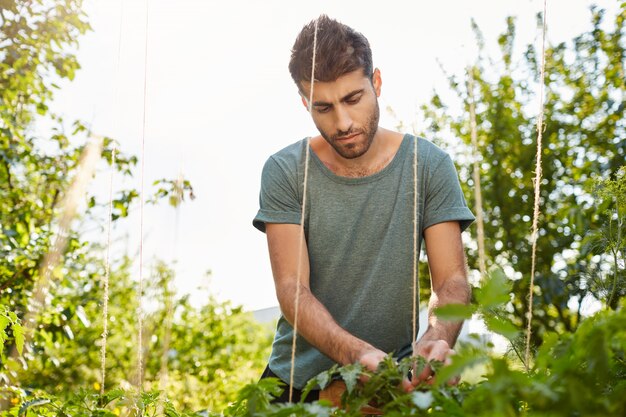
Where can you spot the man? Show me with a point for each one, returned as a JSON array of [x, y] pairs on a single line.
[[356, 269]]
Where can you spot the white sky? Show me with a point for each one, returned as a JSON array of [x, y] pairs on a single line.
[[220, 101]]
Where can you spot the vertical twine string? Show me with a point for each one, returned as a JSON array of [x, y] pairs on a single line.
[[478, 207], [415, 208], [107, 271], [302, 217], [141, 204], [537, 188], [105, 297]]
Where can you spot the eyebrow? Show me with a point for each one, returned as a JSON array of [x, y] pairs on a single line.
[[343, 99]]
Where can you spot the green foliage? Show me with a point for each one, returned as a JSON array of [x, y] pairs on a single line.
[[489, 304], [583, 373], [10, 322], [256, 397], [174, 189], [580, 373], [35, 172], [86, 403], [35, 37], [584, 138], [609, 240], [199, 356]]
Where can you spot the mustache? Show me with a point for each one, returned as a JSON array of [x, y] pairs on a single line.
[[343, 135]]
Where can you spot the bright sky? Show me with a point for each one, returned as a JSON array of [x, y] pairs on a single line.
[[220, 100]]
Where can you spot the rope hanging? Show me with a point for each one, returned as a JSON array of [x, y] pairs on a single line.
[[415, 249], [537, 188], [143, 153], [105, 296], [478, 207], [107, 270], [299, 268]]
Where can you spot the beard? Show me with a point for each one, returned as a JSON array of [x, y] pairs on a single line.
[[358, 148]]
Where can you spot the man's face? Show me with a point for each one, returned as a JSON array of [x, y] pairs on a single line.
[[346, 111]]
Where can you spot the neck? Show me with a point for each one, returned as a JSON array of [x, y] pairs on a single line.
[[382, 150]]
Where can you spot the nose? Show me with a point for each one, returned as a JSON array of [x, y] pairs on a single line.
[[344, 121]]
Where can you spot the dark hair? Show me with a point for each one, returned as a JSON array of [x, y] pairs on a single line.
[[340, 50]]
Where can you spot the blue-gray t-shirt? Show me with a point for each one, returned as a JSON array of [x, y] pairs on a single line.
[[359, 234]]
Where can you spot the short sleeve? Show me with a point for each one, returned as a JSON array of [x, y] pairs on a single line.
[[279, 198], [444, 200]]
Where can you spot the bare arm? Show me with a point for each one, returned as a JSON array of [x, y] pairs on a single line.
[[448, 272], [315, 323]]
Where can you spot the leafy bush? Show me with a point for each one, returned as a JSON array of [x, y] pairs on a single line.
[[573, 374], [579, 374], [212, 350]]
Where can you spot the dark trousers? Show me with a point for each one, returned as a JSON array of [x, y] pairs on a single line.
[[314, 395]]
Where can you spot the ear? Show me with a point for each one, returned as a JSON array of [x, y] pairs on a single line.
[[377, 81], [303, 91], [304, 102]]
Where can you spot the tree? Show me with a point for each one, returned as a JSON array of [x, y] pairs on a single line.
[[35, 171], [36, 40], [584, 138]]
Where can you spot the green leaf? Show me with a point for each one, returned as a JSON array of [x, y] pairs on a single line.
[[350, 375], [111, 396], [18, 334], [467, 358], [32, 403], [494, 290], [4, 322], [455, 311], [501, 326], [323, 379], [310, 385], [419, 364]]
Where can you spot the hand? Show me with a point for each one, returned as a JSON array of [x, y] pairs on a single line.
[[432, 350], [371, 358]]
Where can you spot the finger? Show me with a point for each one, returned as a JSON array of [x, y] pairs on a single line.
[[371, 360], [406, 385], [426, 373], [439, 352]]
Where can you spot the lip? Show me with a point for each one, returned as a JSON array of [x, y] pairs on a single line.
[[347, 138]]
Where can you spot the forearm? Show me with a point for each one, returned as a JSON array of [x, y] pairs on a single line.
[[448, 277], [454, 290], [318, 327]]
